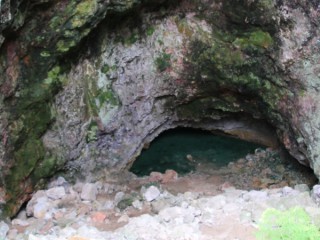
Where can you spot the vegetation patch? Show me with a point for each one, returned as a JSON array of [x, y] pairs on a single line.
[[293, 224], [163, 62]]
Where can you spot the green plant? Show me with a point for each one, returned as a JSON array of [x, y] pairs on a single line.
[[163, 61], [293, 224]]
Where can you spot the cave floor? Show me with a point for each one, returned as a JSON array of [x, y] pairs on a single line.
[[209, 203]]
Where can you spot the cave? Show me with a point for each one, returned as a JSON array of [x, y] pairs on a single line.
[[88, 85], [225, 158]]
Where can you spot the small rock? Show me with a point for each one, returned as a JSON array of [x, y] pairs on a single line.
[[123, 218], [4, 228], [118, 197], [137, 204], [56, 193], [190, 158], [151, 193], [155, 177], [108, 205], [89, 192], [98, 217], [169, 176]]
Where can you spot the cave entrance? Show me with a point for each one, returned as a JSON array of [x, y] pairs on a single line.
[[205, 159], [183, 149]]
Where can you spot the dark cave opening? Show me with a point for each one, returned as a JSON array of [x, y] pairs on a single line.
[[246, 165], [181, 149]]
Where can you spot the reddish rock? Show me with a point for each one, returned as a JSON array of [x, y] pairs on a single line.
[[169, 176], [155, 177], [98, 217]]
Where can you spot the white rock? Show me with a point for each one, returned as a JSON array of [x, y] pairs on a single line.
[[41, 208], [56, 193], [4, 228], [89, 192], [33, 201], [151, 193]]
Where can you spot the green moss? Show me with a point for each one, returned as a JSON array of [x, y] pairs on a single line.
[[83, 10], [163, 62], [45, 54], [26, 158], [92, 132], [65, 45], [105, 68], [293, 224], [150, 31], [107, 96], [46, 168], [258, 39], [134, 37]]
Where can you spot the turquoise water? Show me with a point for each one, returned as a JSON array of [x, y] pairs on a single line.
[[170, 150]]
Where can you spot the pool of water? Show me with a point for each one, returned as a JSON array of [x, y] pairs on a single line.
[[181, 149]]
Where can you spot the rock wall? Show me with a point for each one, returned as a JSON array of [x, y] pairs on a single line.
[[87, 84]]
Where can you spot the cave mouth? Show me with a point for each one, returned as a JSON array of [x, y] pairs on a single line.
[[183, 149], [217, 159]]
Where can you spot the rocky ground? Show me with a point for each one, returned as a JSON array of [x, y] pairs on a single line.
[[210, 203]]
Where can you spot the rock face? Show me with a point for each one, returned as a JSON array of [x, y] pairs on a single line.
[[87, 83]]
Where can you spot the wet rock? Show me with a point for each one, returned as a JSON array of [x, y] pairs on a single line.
[[151, 193], [89, 192]]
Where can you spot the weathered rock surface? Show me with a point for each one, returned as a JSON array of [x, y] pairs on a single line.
[[87, 84]]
